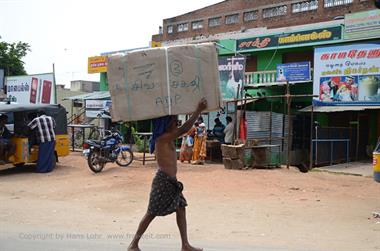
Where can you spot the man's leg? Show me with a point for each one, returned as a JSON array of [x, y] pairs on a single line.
[[146, 220], [182, 226]]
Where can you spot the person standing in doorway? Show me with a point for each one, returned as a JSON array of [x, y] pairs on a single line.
[[166, 194], [44, 126], [229, 131]]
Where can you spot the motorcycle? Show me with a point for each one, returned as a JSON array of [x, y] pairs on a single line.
[[108, 149]]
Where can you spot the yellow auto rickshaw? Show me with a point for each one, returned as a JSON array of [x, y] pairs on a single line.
[[25, 140]]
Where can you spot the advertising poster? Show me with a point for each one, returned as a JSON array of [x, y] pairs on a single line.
[[293, 72], [347, 74], [97, 64], [231, 72], [31, 89], [94, 108]]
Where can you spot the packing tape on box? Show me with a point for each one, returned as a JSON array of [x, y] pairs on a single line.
[[168, 81]]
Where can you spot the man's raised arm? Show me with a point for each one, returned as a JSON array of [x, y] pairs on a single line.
[[202, 105]]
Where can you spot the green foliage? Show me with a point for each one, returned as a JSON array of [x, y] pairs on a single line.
[[139, 141], [10, 57]]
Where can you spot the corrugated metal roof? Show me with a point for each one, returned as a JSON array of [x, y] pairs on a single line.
[[339, 108], [91, 96]]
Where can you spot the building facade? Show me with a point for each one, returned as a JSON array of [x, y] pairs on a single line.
[[273, 33], [242, 15], [84, 86]]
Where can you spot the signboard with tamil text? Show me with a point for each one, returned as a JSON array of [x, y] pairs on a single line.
[[97, 64], [347, 75], [361, 25], [231, 73], [31, 89], [293, 72], [293, 39]]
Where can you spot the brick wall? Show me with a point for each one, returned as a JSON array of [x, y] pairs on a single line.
[[231, 7]]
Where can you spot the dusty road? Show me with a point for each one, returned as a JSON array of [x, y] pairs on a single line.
[[74, 209]]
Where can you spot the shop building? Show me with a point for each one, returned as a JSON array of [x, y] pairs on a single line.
[[288, 35]]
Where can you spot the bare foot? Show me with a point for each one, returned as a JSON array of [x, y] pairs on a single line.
[[134, 249], [190, 248]]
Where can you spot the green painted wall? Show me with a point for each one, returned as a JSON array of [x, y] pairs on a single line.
[[229, 47], [323, 119], [103, 82], [267, 60]]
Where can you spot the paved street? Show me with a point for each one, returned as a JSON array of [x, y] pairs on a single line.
[[264, 210]]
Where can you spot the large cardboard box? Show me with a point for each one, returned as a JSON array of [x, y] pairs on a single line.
[[156, 82]]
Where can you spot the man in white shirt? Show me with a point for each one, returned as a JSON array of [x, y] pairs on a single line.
[[229, 131]]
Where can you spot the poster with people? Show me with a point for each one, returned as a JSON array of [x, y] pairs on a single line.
[[347, 74], [231, 72]]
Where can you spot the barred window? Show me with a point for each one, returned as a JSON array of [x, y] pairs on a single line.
[[197, 25], [333, 3], [212, 22], [251, 15], [275, 11], [170, 29], [182, 27], [232, 19], [305, 6]]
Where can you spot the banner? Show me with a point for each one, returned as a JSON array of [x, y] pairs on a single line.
[[97, 64], [231, 72], [293, 72], [347, 74], [31, 89], [292, 39], [95, 107], [361, 25]]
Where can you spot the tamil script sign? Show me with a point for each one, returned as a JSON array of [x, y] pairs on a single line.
[[97, 64], [31, 89], [293, 72], [347, 74], [290, 39], [231, 73], [362, 24], [95, 108]]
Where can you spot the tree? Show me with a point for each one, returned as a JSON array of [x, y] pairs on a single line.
[[10, 57]]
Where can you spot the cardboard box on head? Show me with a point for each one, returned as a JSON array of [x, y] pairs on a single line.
[[152, 83]]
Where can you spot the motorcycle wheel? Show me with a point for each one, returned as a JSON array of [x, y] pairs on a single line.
[[93, 162], [124, 158]]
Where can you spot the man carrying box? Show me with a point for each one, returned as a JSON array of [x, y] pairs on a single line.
[[166, 195]]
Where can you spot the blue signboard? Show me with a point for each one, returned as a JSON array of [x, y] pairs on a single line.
[[293, 72]]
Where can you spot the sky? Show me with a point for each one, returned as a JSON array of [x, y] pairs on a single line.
[[67, 32]]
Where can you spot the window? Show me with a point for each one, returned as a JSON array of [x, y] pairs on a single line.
[[212, 22], [275, 11], [182, 27], [197, 25], [305, 6], [251, 15], [232, 19], [332, 3], [170, 29]]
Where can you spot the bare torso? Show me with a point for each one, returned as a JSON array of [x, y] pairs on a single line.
[[166, 157]]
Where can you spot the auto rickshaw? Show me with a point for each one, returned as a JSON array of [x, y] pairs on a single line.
[[25, 140]]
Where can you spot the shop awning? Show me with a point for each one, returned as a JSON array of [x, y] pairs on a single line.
[[91, 96], [339, 108]]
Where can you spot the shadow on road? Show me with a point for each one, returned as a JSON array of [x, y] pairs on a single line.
[[11, 170]]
